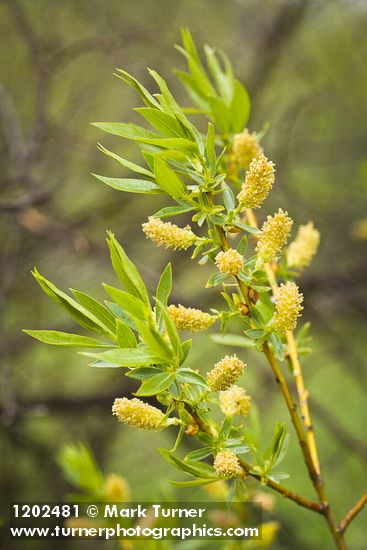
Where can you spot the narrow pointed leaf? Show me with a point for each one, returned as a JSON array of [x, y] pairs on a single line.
[[81, 315], [156, 384], [163, 292], [130, 304], [188, 376], [193, 483], [126, 271], [168, 180], [154, 341], [125, 336], [98, 309], [56, 338], [127, 163], [193, 468], [127, 357], [129, 185]]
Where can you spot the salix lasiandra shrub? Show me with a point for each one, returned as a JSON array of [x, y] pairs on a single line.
[[217, 178]]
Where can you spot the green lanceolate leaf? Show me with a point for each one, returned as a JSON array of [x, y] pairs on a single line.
[[233, 340], [195, 469], [125, 336], [193, 483], [188, 376], [164, 123], [143, 373], [172, 334], [248, 228], [278, 476], [210, 148], [223, 80], [196, 68], [163, 292], [228, 197], [280, 444], [154, 341], [156, 384], [256, 333], [131, 81], [242, 246], [126, 271], [168, 180], [80, 468], [185, 348], [277, 346], [139, 134], [127, 163], [216, 279], [129, 185], [169, 211], [220, 114], [56, 338], [99, 310], [194, 91], [238, 449], [240, 108], [120, 314], [127, 357], [199, 454], [170, 105], [81, 315], [224, 430], [130, 304]]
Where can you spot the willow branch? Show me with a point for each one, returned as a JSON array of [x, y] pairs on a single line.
[[314, 474], [247, 468], [296, 421], [296, 367], [303, 399], [291, 405], [353, 512]]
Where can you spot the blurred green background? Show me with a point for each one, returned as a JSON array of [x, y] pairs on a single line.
[[305, 66]]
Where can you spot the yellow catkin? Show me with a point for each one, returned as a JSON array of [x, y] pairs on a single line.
[[217, 490], [304, 247], [137, 414], [269, 531], [226, 464], [116, 489], [225, 373], [259, 180], [246, 147], [189, 318], [168, 234], [288, 307], [229, 261], [273, 236], [234, 401]]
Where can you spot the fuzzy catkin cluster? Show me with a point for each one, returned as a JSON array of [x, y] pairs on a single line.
[[287, 307], [116, 489], [229, 262], [225, 373], [259, 180], [189, 318], [273, 236], [304, 247], [137, 414], [168, 234], [246, 147], [234, 401], [226, 464]]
